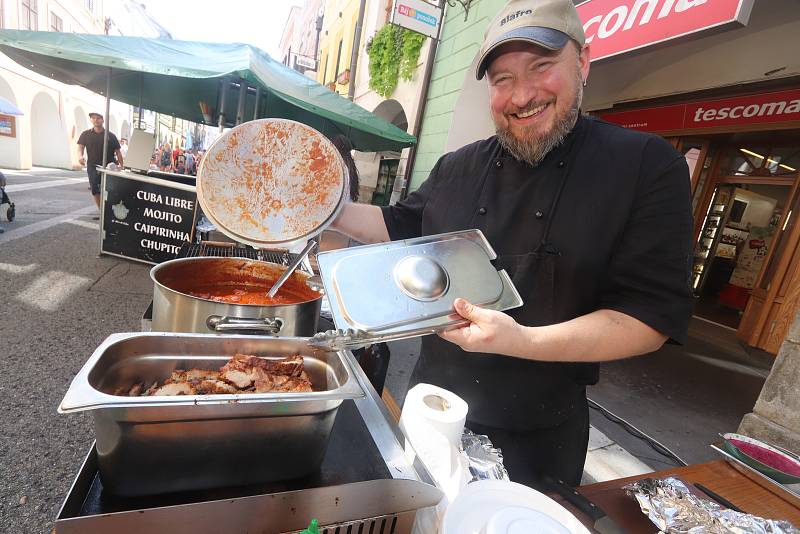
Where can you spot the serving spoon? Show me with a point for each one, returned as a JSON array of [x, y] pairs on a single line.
[[291, 268]]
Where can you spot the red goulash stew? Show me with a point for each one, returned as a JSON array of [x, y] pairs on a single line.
[[237, 281], [242, 293]]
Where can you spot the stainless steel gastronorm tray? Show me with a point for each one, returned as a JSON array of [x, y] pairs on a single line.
[[150, 445]]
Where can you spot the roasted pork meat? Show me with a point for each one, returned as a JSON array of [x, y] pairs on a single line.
[[244, 373]]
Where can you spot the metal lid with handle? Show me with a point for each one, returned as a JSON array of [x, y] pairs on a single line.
[[406, 288], [272, 182]]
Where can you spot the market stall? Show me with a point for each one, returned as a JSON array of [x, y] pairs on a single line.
[[221, 85]]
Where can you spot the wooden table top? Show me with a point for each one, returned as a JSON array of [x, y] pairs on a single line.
[[717, 476]]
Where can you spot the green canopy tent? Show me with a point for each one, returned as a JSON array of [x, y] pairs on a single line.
[[237, 81]]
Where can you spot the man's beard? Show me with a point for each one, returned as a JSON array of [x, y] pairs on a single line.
[[533, 147]]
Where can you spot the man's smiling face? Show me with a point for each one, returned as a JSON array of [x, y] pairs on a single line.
[[535, 95]]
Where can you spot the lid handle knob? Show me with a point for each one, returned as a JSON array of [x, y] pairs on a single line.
[[421, 278]]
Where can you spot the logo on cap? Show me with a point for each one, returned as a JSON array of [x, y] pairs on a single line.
[[514, 16]]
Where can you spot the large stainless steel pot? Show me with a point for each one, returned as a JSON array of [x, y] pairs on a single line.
[[174, 310], [150, 445]]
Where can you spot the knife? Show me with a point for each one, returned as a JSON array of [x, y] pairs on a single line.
[[601, 522]]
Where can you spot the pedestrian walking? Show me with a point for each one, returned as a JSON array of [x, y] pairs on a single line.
[[4, 199], [91, 141], [166, 158]]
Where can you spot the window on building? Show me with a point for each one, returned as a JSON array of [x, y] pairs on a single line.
[[2, 16], [89, 5], [338, 60], [28, 16], [56, 24]]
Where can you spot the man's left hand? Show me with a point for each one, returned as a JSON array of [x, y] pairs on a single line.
[[488, 331]]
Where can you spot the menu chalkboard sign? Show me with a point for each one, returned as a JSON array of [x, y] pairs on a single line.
[[146, 219]]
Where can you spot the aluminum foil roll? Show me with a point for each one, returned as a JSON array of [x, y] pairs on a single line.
[[485, 461], [675, 510]]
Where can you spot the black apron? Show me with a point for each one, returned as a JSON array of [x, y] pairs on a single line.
[[502, 391]]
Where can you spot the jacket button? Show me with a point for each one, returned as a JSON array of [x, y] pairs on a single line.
[[498, 163], [482, 211], [539, 214], [561, 164]]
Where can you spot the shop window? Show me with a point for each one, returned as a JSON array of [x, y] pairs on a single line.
[[761, 161], [784, 161], [28, 15]]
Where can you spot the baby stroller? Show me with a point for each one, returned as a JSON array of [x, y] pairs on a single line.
[[5, 200]]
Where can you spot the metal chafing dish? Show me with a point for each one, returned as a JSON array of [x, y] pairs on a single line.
[[149, 445], [364, 485]]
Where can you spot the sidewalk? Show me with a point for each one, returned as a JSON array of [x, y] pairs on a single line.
[[607, 460]]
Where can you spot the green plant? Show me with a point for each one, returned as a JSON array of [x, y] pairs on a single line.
[[393, 54], [412, 44]]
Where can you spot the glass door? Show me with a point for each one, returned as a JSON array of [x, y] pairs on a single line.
[[711, 234], [386, 175]]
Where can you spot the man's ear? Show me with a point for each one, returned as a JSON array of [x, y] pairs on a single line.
[[584, 59]]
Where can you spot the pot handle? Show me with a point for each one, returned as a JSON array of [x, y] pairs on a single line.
[[222, 323]]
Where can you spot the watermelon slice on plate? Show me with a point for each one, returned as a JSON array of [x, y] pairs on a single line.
[[766, 459]]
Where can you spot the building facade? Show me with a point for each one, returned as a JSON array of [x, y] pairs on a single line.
[[381, 174], [300, 39], [56, 113], [339, 19]]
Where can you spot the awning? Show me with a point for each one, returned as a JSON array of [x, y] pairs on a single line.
[[173, 77], [8, 108]]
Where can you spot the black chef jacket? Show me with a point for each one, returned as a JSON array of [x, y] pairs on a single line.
[[617, 203]]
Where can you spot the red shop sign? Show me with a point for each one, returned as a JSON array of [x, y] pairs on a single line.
[[765, 108], [616, 26]]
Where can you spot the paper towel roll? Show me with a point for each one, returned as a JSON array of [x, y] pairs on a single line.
[[432, 421], [443, 410]]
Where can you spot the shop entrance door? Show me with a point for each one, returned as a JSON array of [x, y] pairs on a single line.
[[776, 297], [746, 272], [737, 232]]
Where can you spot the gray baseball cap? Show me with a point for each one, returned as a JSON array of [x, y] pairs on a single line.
[[546, 23]]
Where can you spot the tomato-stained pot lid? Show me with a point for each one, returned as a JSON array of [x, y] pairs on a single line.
[[272, 182]]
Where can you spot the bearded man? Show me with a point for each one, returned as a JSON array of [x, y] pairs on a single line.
[[591, 221]]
